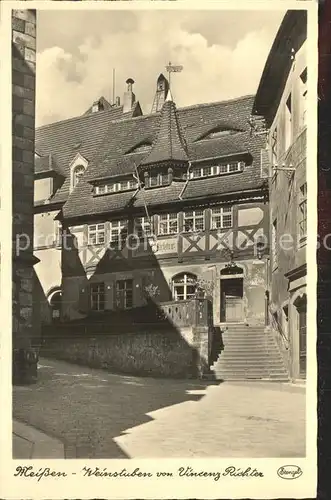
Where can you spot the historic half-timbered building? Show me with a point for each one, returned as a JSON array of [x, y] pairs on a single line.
[[179, 191]]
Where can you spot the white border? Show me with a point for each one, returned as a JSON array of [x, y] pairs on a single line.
[[271, 486]]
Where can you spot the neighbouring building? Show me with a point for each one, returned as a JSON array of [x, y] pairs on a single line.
[[23, 135], [282, 100]]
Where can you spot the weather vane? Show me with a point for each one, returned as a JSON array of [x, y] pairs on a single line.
[[173, 69]]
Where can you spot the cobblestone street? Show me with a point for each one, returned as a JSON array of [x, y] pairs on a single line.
[[101, 415]]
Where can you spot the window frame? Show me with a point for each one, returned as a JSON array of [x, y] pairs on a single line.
[[118, 227], [100, 295], [74, 174], [126, 304], [115, 187], [224, 212], [176, 283], [97, 232], [168, 221], [217, 170], [194, 218], [142, 227]]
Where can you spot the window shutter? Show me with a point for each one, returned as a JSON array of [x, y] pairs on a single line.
[[84, 299]]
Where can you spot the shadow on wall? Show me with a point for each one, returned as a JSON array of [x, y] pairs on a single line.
[[142, 340]]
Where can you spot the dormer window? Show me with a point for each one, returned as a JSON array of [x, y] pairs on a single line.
[[218, 132], [78, 173], [143, 147], [115, 187], [225, 168], [158, 179], [77, 169]]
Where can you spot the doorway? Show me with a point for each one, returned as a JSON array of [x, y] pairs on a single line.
[[232, 297], [301, 306]]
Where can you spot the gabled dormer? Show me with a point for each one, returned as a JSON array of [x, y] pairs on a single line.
[[77, 169]]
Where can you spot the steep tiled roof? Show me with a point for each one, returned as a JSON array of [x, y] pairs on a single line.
[[82, 134], [101, 101], [109, 145], [169, 143]]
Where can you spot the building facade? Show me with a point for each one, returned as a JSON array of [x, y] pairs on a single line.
[[63, 151], [23, 134], [282, 100], [166, 205]]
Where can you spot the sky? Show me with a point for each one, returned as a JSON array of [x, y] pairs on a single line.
[[222, 53]]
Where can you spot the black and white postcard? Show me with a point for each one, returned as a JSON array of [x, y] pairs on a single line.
[[158, 279]]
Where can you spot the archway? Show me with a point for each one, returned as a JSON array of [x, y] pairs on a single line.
[[232, 294], [55, 300]]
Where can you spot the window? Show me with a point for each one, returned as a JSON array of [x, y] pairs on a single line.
[[225, 168], [77, 174], [303, 211], [97, 296], [288, 123], [168, 223], [158, 180], [221, 217], [194, 221], [118, 233], [142, 227], [96, 234], [124, 294], [274, 249], [184, 286], [115, 187], [303, 98]]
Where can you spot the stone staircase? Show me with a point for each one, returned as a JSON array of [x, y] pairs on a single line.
[[248, 353]]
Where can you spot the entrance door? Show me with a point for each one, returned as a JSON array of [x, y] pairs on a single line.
[[232, 309], [302, 341]]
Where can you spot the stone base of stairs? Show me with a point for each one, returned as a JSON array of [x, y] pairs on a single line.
[[249, 353]]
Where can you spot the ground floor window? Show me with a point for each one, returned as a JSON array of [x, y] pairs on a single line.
[[184, 286], [124, 294], [97, 295]]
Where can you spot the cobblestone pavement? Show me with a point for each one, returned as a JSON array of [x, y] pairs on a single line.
[[101, 415]]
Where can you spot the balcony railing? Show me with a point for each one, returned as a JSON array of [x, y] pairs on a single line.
[[194, 312]]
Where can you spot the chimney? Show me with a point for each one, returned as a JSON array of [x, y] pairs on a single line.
[[118, 101], [129, 97]]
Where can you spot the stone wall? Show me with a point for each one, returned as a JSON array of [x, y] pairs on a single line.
[[168, 353], [23, 131]]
